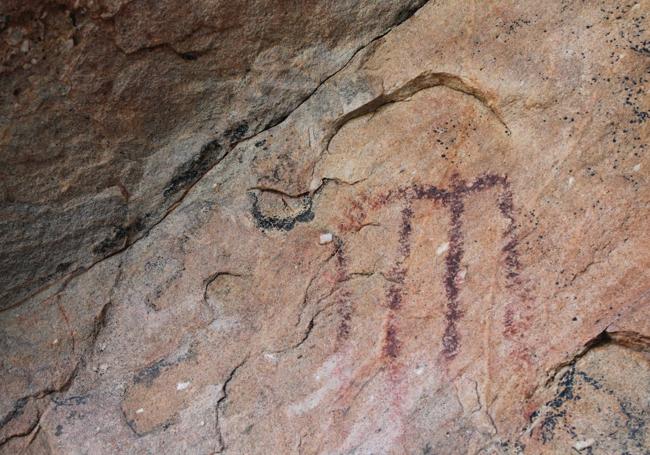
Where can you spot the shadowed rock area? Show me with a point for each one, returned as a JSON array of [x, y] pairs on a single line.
[[113, 109], [358, 227]]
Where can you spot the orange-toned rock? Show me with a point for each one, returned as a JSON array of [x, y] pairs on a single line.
[[482, 171]]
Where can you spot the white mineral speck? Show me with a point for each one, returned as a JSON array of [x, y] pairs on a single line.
[[442, 248], [583, 444], [315, 184], [182, 385], [325, 238], [637, 168], [139, 411]]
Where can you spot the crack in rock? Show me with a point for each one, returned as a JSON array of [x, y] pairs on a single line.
[[220, 404]]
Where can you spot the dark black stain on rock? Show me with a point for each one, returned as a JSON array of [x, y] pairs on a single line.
[[572, 383], [194, 169], [17, 411], [70, 401], [149, 374], [114, 242], [120, 237], [278, 223], [64, 266], [189, 56], [406, 12], [236, 133]]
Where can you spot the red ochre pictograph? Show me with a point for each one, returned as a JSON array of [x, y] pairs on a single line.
[[453, 200]]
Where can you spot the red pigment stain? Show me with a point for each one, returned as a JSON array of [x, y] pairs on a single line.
[[452, 199], [391, 342], [354, 216], [343, 303]]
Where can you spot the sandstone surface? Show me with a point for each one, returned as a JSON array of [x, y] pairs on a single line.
[[111, 110], [482, 169]]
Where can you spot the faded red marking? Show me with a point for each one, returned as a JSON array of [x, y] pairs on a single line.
[[345, 314], [391, 342], [396, 385], [395, 292], [394, 297], [354, 216], [343, 303], [450, 339], [452, 199]]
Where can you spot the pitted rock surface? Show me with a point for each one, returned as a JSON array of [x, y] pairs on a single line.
[[483, 172]]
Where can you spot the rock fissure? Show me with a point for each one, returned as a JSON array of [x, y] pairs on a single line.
[[221, 402]]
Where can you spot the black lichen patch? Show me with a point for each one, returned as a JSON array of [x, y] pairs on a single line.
[[634, 95], [189, 56], [281, 223], [571, 386], [556, 414], [236, 133], [149, 374], [194, 169], [18, 409], [407, 12], [70, 401], [118, 239], [112, 243], [64, 266]]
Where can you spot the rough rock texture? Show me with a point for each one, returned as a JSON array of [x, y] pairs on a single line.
[[112, 109], [483, 171]]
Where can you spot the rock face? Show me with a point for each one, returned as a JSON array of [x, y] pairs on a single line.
[[113, 109], [482, 170]]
